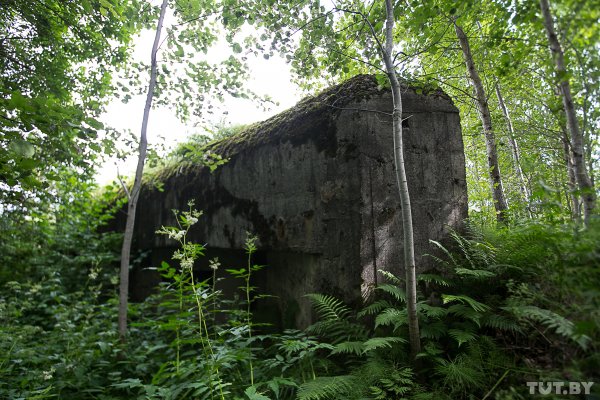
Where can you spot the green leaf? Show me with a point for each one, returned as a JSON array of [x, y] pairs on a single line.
[[27, 163], [475, 273], [461, 336], [237, 48], [326, 387], [253, 395], [474, 304], [392, 316], [328, 307], [431, 311], [433, 278], [382, 342], [398, 293], [128, 383], [22, 147], [357, 348]]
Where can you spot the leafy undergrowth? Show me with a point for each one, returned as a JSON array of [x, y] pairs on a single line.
[[504, 308]]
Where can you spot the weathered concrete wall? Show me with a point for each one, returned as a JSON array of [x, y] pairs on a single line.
[[317, 185]]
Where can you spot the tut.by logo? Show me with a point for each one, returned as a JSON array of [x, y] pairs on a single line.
[[559, 387]]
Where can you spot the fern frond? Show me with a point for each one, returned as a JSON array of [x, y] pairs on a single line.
[[338, 331], [395, 383], [500, 322], [460, 373], [474, 304], [374, 308], [381, 342], [433, 278], [373, 368], [391, 277], [466, 312], [328, 307], [474, 273], [327, 387], [396, 292], [431, 349], [445, 250], [392, 316], [431, 311], [461, 336], [434, 330], [356, 348], [551, 320]]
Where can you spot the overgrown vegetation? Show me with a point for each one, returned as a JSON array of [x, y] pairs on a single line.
[[504, 307], [508, 304]]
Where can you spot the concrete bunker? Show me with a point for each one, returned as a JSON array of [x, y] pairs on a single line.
[[316, 184]]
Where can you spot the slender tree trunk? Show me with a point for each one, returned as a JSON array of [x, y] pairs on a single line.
[[137, 184], [586, 129], [498, 198], [513, 145], [407, 225], [583, 180], [572, 184]]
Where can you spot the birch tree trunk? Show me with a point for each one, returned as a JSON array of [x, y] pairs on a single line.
[[137, 184], [583, 180], [498, 198], [513, 145], [572, 184], [407, 225]]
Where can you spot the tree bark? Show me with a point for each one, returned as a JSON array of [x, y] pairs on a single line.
[[513, 145], [572, 183], [498, 198], [407, 224], [583, 180], [137, 184]]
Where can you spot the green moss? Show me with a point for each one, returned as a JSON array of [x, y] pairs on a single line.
[[312, 119]]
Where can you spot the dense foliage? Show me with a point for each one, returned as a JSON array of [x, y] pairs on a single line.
[[508, 303]]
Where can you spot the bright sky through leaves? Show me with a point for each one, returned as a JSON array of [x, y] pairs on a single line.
[[270, 77]]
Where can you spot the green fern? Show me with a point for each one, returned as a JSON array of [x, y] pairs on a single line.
[[433, 278], [461, 374], [432, 351], [433, 330], [360, 348], [391, 277], [477, 253], [440, 246], [500, 322], [395, 385], [463, 311], [474, 304], [474, 273], [432, 311], [326, 387], [374, 308], [356, 348], [393, 290], [392, 316], [462, 336], [382, 342], [337, 331], [551, 320], [328, 307]]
